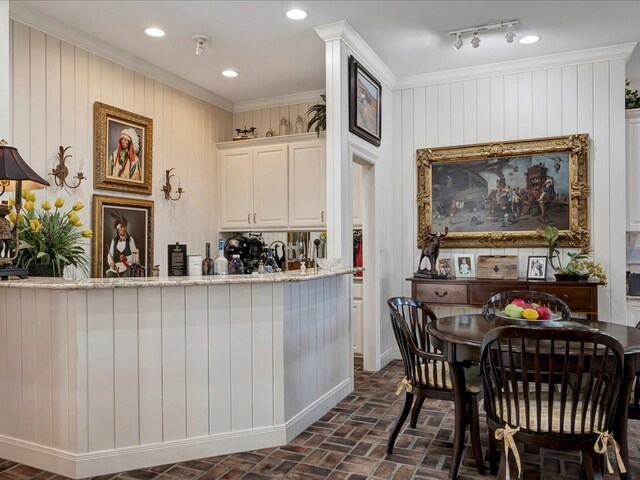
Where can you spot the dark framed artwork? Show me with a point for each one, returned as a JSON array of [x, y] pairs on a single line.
[[123, 154], [502, 194], [537, 268], [110, 214], [365, 112]]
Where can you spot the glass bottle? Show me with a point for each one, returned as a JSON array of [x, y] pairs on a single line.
[[299, 125], [221, 264], [284, 126], [270, 264], [236, 267], [207, 263]]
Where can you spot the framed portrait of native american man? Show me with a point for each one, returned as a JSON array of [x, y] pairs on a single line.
[[123, 153], [503, 194], [122, 237]]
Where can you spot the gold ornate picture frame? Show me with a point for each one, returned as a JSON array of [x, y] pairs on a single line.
[[123, 150], [501, 194], [137, 215]]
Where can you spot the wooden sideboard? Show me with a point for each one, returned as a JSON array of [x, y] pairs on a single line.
[[581, 297]]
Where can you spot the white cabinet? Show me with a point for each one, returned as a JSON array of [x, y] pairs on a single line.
[[307, 185], [253, 190], [357, 195], [633, 170], [357, 318]]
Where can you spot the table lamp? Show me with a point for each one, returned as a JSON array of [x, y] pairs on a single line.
[[15, 174]]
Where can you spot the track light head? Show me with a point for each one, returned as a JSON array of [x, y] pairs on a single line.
[[475, 41], [458, 43], [200, 39], [509, 36]]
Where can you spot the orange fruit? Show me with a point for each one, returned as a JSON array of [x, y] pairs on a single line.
[[530, 314]]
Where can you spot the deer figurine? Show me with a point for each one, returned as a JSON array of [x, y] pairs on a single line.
[[432, 250]]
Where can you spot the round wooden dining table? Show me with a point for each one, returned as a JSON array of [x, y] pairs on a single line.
[[459, 338]]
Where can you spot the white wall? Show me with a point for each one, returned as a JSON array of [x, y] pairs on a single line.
[[527, 102], [54, 87]]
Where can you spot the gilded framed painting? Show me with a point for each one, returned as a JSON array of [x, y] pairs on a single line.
[[122, 236], [365, 112], [502, 194], [123, 153]]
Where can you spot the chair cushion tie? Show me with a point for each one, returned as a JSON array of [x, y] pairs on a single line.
[[404, 385], [604, 438], [506, 434]]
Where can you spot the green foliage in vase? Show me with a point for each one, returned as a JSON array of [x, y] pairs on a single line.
[[631, 97], [319, 118], [579, 263], [50, 236]]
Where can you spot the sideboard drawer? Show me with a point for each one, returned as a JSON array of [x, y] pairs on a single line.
[[577, 298], [441, 292], [479, 293]]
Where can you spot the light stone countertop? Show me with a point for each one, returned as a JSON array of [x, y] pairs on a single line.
[[50, 283]]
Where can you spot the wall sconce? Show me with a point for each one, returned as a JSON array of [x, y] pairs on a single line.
[[166, 188], [60, 172]]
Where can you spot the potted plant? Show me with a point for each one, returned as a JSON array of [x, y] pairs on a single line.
[[631, 97], [319, 118], [49, 238], [579, 267]]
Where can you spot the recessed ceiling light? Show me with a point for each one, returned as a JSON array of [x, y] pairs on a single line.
[[529, 39], [154, 32], [230, 73], [296, 14]]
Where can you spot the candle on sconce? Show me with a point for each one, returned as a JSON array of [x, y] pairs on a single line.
[[81, 165]]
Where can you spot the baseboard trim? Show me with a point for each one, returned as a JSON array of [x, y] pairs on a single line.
[[387, 356], [132, 458]]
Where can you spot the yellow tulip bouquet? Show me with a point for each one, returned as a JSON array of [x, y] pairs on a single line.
[[51, 237]]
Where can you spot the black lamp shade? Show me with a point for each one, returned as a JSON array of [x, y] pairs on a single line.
[[13, 167]]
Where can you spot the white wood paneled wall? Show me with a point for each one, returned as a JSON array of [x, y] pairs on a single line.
[[576, 98], [54, 87], [140, 374], [267, 118]]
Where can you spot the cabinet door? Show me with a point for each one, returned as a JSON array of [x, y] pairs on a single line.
[[236, 189], [633, 170], [356, 326], [270, 199], [307, 185], [357, 195]]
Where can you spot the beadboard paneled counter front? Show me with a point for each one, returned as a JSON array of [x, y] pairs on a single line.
[[102, 376]]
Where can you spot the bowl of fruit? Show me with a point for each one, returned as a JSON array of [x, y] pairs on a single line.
[[521, 311]]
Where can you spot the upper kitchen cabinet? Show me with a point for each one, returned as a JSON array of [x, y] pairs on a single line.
[[253, 188], [633, 170], [357, 195], [307, 185]]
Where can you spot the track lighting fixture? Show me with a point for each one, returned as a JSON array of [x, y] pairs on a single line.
[[474, 31], [200, 39]]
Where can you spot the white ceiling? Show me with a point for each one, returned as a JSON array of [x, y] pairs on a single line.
[[277, 56]]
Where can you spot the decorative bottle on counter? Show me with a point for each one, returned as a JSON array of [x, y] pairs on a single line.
[[220, 265], [270, 264], [236, 267], [207, 263], [284, 126], [299, 125]]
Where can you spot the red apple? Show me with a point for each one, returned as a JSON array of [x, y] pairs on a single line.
[[543, 312], [519, 302]]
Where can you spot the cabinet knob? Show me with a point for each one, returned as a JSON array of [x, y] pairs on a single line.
[[248, 218], [254, 218], [441, 295], [322, 216]]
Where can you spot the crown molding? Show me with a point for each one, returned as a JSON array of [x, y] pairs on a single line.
[[19, 12], [622, 51], [342, 30], [279, 101]]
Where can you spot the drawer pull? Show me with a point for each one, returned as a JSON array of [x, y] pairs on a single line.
[[441, 295], [248, 218], [565, 297], [254, 218]]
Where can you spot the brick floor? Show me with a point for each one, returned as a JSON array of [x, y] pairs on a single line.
[[349, 443]]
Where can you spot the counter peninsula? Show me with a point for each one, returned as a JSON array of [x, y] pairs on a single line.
[[101, 376]]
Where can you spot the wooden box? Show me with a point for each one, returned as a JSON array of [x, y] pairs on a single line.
[[497, 266]]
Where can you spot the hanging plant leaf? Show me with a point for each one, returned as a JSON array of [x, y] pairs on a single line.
[[319, 118]]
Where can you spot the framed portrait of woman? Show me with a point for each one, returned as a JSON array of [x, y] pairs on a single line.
[[537, 268], [123, 150]]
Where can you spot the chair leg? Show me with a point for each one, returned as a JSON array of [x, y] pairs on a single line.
[[416, 411], [461, 409], [474, 427], [493, 452], [502, 471], [591, 465], [408, 400]]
